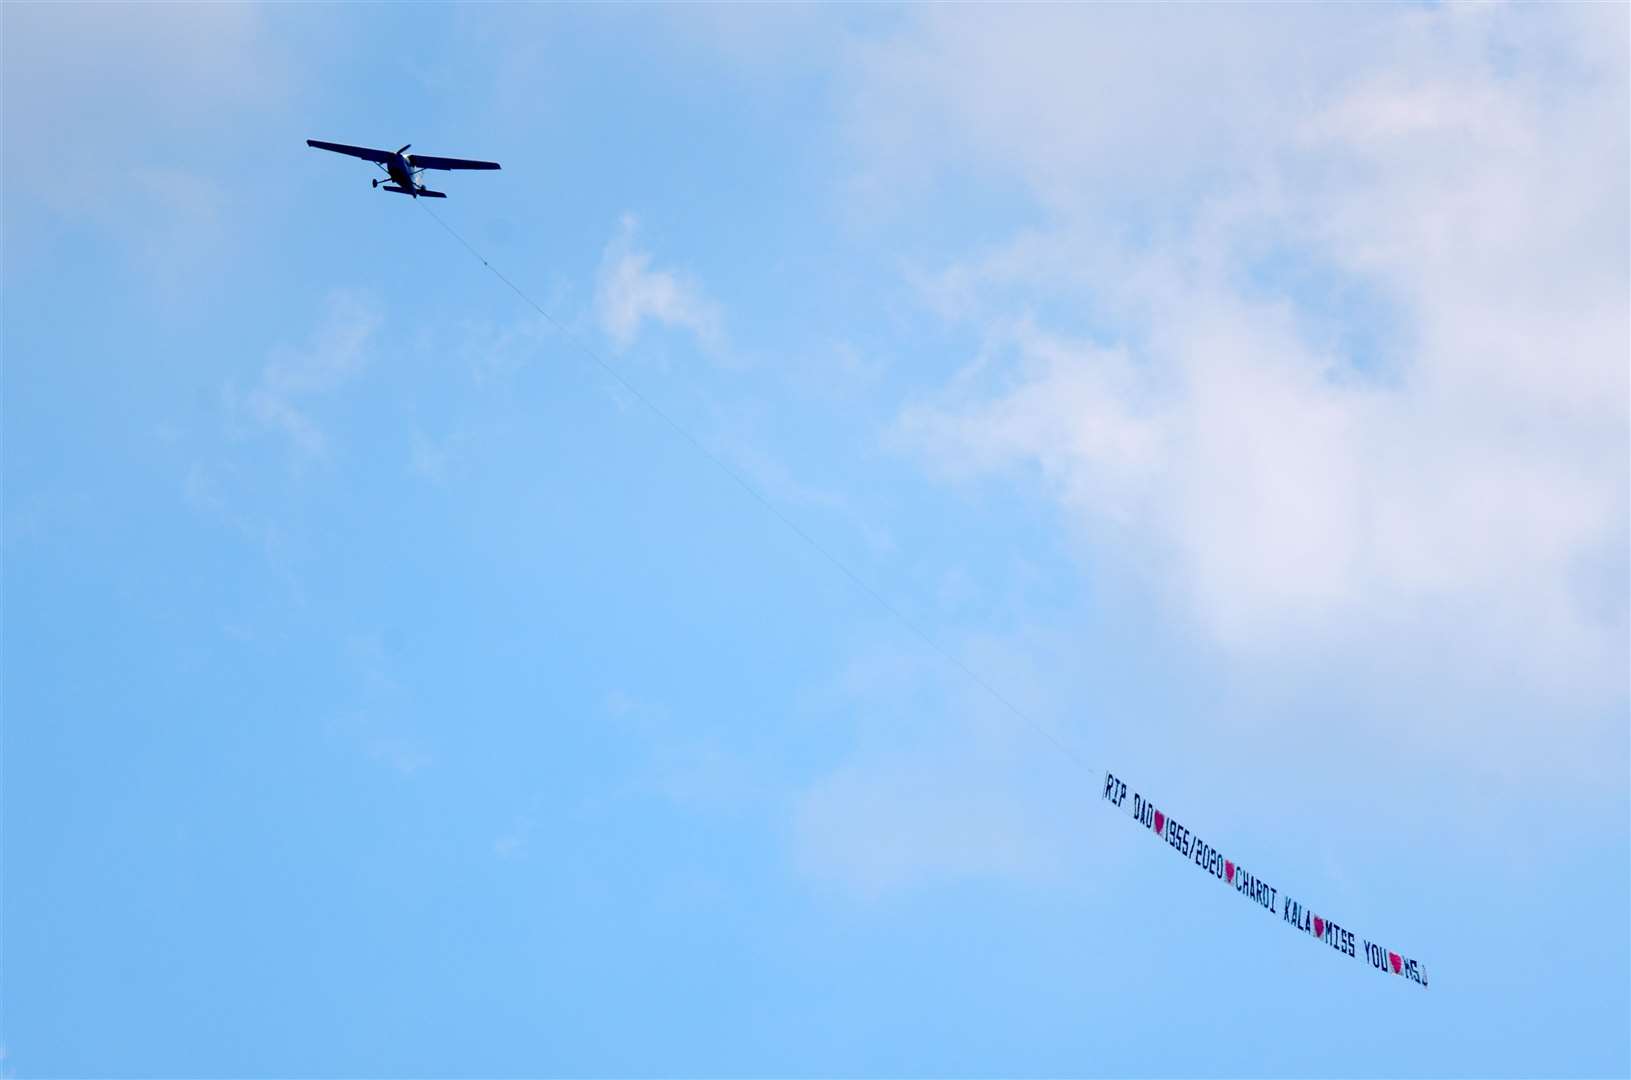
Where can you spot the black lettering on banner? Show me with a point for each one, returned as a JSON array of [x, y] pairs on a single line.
[[1211, 860], [1114, 790]]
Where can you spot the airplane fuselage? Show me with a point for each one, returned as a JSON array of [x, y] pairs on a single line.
[[400, 168]]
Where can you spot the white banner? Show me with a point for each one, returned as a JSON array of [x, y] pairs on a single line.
[[1292, 912]]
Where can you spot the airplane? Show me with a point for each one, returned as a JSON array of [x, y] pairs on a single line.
[[402, 168]]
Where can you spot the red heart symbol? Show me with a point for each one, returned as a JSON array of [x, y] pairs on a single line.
[[1393, 958], [1160, 821], [1229, 870], [1319, 927]]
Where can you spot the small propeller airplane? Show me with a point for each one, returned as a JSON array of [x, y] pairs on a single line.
[[401, 168]]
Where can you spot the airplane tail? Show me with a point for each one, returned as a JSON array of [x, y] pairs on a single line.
[[426, 192]]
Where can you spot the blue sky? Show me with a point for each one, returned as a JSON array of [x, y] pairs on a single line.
[[1242, 393]]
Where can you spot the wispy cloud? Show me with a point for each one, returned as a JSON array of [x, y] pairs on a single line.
[[292, 380], [632, 292]]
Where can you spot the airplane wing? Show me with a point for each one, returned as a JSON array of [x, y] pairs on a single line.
[[425, 161], [381, 156]]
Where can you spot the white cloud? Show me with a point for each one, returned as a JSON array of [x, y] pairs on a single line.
[[292, 379], [1462, 492], [88, 87], [1117, 104], [630, 293], [117, 115]]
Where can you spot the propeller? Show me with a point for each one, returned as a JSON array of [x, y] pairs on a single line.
[[404, 148]]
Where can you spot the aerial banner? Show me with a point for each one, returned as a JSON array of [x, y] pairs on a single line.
[[1292, 912]]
